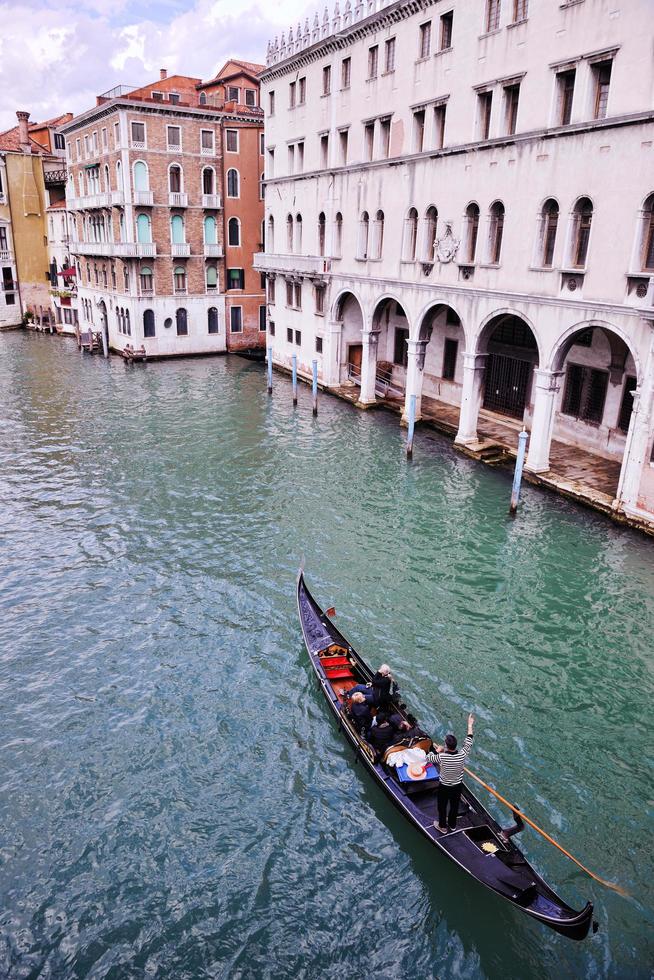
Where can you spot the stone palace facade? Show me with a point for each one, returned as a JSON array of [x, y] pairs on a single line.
[[460, 207]]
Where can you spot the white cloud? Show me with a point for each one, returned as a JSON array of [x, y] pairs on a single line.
[[57, 56]]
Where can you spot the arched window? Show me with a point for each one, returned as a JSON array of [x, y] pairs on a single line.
[[140, 176], [582, 217], [212, 279], [145, 278], [143, 228], [212, 319], [549, 223], [647, 246], [119, 325], [472, 231], [234, 232], [338, 235], [364, 227], [119, 176], [378, 236], [233, 183], [208, 180], [179, 279], [107, 179], [148, 322], [495, 232], [321, 233], [431, 230], [210, 230], [177, 229], [181, 321], [203, 101], [270, 244], [128, 329], [410, 235], [289, 234], [298, 234], [175, 179]]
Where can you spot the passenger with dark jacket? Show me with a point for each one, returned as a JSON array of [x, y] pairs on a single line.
[[382, 735], [406, 729], [383, 685], [360, 711]]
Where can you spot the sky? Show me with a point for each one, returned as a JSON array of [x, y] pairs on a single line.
[[57, 55]]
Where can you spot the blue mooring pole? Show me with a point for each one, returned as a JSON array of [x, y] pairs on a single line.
[[314, 387], [517, 476], [270, 370], [412, 425], [294, 380]]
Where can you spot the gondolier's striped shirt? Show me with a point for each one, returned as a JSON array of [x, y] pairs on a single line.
[[451, 763]]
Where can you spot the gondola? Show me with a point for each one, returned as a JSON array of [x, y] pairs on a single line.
[[479, 845]]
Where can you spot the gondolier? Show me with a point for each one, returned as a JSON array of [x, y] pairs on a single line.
[[451, 762]]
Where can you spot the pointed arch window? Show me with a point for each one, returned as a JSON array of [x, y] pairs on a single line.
[[472, 231], [410, 235], [549, 225], [298, 234], [581, 221], [149, 329], [321, 233], [338, 235], [364, 229], [270, 244], [495, 232], [289, 234], [431, 230], [181, 322], [647, 247], [377, 236], [212, 320]]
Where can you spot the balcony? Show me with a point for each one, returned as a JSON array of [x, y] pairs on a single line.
[[308, 265], [121, 250], [144, 198], [104, 200], [9, 287], [213, 251], [211, 201], [146, 291], [6, 255], [180, 250], [3, 197], [177, 200]]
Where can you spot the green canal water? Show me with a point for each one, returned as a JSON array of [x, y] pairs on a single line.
[[175, 801]]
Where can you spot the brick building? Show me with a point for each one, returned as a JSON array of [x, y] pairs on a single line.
[[146, 186]]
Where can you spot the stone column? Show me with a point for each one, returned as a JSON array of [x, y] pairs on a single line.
[[414, 373], [474, 366], [331, 354], [546, 387], [638, 441], [370, 339]]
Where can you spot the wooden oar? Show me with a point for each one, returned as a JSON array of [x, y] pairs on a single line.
[[514, 809]]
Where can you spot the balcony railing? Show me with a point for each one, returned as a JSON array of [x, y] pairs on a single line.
[[8, 286], [211, 201], [207, 151], [3, 198], [213, 251], [177, 200], [144, 198], [127, 250], [312, 265], [139, 145], [180, 290], [180, 250], [146, 291], [6, 255], [103, 200]]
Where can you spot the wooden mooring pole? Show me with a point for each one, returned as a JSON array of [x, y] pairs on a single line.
[[294, 380], [270, 370], [314, 386], [412, 426], [517, 476]]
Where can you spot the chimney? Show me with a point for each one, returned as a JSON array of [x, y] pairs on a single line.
[[163, 73], [23, 134]]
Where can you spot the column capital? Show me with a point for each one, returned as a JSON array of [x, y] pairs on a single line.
[[416, 347], [548, 380], [474, 362]]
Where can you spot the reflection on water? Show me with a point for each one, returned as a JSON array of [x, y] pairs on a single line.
[[175, 799]]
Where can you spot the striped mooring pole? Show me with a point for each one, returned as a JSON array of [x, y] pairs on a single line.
[[270, 370], [412, 426], [517, 476], [294, 380], [314, 386]]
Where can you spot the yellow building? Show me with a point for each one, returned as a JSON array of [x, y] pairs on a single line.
[[32, 172]]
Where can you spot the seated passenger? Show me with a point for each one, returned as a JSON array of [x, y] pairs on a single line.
[[411, 729], [365, 689], [382, 735], [384, 685], [360, 711]]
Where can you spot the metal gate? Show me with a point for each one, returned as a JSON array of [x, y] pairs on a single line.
[[507, 384]]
